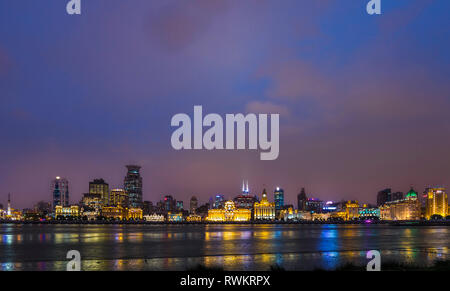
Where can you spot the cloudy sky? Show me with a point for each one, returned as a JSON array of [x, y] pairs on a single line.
[[363, 100]]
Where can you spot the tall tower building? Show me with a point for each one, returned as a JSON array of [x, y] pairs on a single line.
[[8, 212], [384, 196], [193, 205], [302, 200], [100, 187], [245, 190], [437, 202], [60, 192], [279, 200], [133, 186]]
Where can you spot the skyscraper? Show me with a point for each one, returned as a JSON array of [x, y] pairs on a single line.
[[100, 187], [60, 192], [437, 202], [219, 201], [301, 200], [133, 186], [383, 196], [193, 205], [279, 200]]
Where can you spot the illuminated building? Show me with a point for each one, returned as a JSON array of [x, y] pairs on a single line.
[[11, 213], [369, 213], [403, 209], [67, 211], [99, 187], [90, 215], [314, 205], [114, 212], [60, 192], [291, 214], [179, 205], [219, 202], [154, 218], [174, 217], [118, 197], [8, 211], [245, 200], [133, 186], [229, 213], [264, 210], [279, 200], [436, 203], [329, 206], [134, 214], [301, 200], [194, 218], [351, 209], [169, 203], [92, 200], [193, 205], [320, 216]]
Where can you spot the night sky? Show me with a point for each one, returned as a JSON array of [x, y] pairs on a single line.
[[363, 100]]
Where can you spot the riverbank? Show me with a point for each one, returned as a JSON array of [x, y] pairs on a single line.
[[137, 222]]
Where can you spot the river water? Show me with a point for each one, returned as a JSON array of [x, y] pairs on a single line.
[[231, 247]]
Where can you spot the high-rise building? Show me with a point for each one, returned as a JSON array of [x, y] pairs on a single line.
[[169, 204], [119, 197], [133, 186], [437, 202], [193, 205], [100, 187], [218, 202], [279, 200], [179, 205], [384, 196], [60, 192], [301, 200]]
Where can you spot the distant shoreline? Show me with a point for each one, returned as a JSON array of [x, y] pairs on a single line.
[[102, 222]]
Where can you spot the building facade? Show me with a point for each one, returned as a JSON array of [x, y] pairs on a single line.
[[229, 213], [133, 186], [100, 187], [436, 203], [193, 205], [301, 200], [60, 192], [67, 211], [264, 210], [404, 209], [278, 196], [118, 197]]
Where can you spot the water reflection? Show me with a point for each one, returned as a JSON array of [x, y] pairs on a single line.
[[232, 247]]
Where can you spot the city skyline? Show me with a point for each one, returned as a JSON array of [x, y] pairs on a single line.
[[362, 99], [227, 196]]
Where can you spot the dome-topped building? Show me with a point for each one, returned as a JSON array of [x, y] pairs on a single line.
[[412, 194]]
